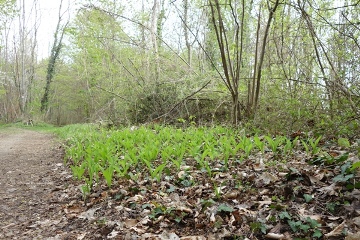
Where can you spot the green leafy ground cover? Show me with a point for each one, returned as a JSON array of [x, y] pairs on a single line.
[[215, 182], [38, 126]]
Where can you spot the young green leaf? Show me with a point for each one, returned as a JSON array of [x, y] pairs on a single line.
[[308, 197], [317, 233], [284, 215], [225, 208], [108, 175], [344, 142]]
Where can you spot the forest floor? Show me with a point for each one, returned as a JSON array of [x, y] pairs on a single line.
[[41, 200]]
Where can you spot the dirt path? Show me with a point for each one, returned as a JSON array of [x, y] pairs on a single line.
[[31, 172]]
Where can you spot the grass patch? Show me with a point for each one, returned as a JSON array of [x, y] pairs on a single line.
[[39, 126]]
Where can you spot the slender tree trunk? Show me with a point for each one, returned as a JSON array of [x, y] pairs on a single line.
[[154, 25], [8, 112], [251, 92], [186, 30], [54, 55], [142, 26], [230, 59], [22, 85], [25, 58], [144, 44], [333, 87], [262, 54]]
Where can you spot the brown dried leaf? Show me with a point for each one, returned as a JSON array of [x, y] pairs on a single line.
[[275, 236], [136, 198], [74, 209], [329, 190], [89, 214], [129, 223], [193, 238], [184, 209], [168, 236], [353, 236], [267, 178], [231, 195]]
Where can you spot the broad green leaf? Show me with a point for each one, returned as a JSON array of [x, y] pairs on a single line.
[[225, 208], [170, 189], [317, 233], [342, 178], [313, 222], [304, 227], [284, 215], [342, 158], [308, 197], [294, 225], [344, 142], [355, 165]]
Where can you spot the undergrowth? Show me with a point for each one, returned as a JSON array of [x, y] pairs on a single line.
[[203, 156], [158, 151]]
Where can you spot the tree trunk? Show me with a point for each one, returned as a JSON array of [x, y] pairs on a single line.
[[262, 54], [230, 59], [55, 51], [186, 30], [154, 30]]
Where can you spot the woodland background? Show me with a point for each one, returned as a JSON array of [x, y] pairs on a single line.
[[279, 65]]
